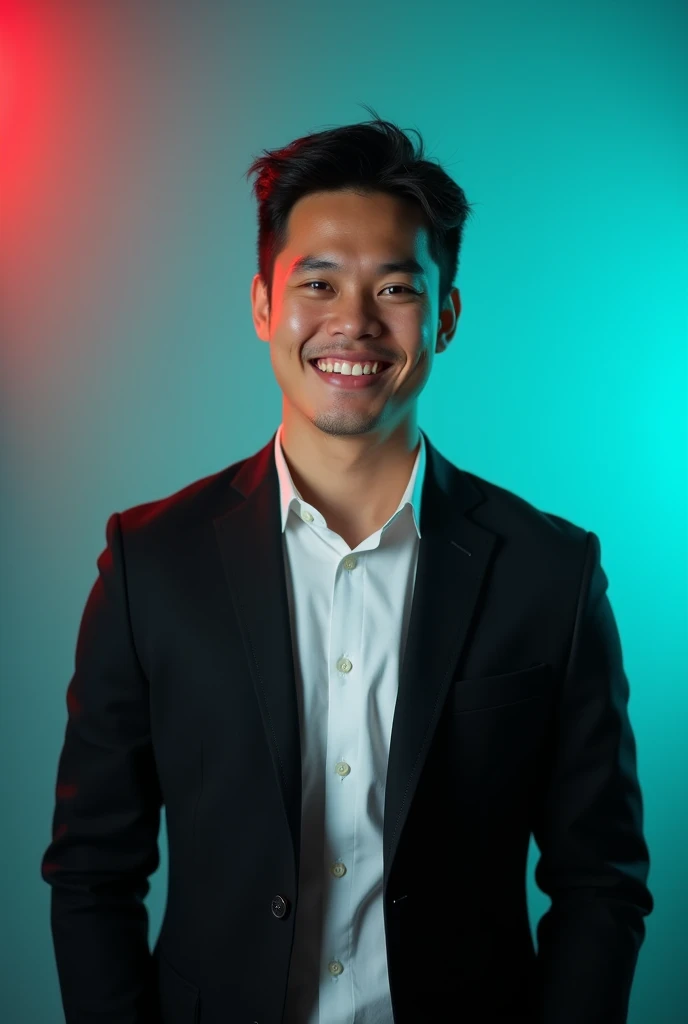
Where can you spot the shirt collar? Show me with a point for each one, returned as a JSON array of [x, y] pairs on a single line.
[[290, 497]]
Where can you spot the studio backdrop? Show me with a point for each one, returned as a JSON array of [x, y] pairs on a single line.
[[130, 365]]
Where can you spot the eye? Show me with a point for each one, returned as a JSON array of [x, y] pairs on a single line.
[[308, 284]]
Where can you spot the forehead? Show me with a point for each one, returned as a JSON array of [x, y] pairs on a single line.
[[377, 223]]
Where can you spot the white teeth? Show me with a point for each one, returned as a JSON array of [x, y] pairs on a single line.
[[348, 369]]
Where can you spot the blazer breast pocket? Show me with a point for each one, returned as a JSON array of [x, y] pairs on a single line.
[[484, 693]]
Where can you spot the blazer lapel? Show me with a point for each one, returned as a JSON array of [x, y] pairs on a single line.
[[453, 559], [250, 541]]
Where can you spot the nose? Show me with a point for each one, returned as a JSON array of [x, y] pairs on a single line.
[[352, 317]]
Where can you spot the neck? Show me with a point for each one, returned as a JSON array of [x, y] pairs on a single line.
[[355, 481]]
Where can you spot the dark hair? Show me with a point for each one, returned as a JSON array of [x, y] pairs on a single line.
[[374, 156]]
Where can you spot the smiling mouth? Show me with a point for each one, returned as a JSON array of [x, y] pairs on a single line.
[[350, 382], [382, 367]]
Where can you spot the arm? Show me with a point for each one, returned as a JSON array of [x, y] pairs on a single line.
[[594, 861], [106, 818]]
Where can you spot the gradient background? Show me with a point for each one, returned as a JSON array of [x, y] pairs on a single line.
[[130, 366]]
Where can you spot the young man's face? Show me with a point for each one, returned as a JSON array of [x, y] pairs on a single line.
[[355, 309]]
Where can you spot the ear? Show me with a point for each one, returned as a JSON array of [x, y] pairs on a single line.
[[260, 308], [449, 318]]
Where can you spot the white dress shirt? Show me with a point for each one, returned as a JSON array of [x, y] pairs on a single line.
[[349, 611]]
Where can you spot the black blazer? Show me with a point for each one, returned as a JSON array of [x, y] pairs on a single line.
[[511, 718]]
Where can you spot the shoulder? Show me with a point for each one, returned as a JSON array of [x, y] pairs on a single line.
[[531, 539], [515, 511], [506, 512], [176, 517]]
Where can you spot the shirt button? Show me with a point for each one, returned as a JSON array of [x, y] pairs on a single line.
[[334, 967], [342, 768], [349, 562], [338, 869], [306, 515], [344, 665]]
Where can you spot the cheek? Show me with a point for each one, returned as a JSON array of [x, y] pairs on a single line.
[[428, 329], [421, 337], [413, 325], [299, 320], [295, 323]]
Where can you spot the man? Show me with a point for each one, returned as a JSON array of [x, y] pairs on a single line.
[[357, 677]]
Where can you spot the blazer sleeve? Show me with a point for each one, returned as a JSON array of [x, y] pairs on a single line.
[[107, 816], [594, 860]]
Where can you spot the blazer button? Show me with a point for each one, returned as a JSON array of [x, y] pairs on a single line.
[[280, 906]]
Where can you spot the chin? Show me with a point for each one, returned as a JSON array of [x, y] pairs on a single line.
[[344, 424]]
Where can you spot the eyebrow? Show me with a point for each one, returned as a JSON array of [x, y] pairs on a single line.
[[404, 266]]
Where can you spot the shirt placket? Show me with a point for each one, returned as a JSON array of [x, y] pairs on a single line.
[[342, 784]]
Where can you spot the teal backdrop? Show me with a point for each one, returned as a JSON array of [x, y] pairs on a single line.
[[130, 366]]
